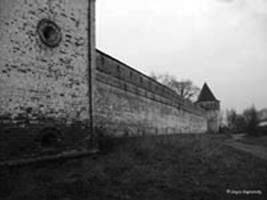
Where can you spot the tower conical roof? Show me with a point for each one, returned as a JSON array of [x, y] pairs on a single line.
[[206, 94]]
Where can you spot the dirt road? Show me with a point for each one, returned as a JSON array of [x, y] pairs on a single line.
[[256, 150]]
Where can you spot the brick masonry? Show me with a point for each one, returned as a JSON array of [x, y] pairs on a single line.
[[45, 92], [129, 103]]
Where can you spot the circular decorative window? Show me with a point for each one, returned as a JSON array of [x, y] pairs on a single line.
[[49, 33]]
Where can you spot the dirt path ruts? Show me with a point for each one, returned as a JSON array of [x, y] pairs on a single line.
[[258, 151]]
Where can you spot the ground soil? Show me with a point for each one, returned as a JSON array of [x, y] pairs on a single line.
[[165, 167]]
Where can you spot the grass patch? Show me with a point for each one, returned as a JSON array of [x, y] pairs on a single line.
[[164, 167]]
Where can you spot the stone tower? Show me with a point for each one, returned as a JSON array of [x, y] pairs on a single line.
[[47, 76], [211, 105]]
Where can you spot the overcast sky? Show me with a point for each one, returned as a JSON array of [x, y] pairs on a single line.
[[222, 42]]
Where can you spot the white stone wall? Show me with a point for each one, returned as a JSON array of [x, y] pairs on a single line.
[[45, 86], [38, 79]]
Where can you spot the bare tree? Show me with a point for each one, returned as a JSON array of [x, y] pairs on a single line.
[[184, 88], [153, 76], [245, 122], [234, 120], [251, 118]]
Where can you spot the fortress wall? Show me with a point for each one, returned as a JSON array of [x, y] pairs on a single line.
[[40, 86], [129, 102]]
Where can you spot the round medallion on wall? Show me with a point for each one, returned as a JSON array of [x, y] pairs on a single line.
[[49, 33]]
